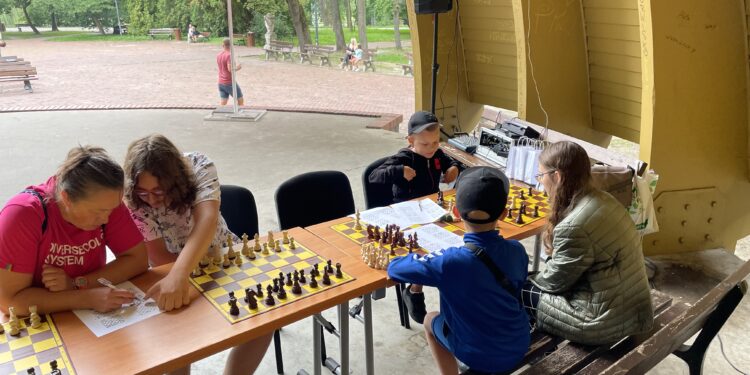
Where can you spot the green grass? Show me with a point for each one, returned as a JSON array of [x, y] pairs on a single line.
[[13, 35], [326, 36], [96, 37], [392, 55]]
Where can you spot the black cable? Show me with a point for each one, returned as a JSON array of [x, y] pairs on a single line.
[[721, 345]]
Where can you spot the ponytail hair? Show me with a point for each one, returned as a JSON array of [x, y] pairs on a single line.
[[85, 170]]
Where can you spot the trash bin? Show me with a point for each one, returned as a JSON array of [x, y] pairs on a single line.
[[250, 40], [177, 34]]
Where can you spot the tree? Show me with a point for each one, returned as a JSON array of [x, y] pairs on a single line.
[[349, 15], [338, 30], [7, 5], [396, 19], [299, 20], [362, 23]]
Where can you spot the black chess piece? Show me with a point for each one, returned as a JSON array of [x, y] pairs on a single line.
[[519, 219], [326, 280], [440, 200], [531, 192], [510, 213], [281, 294], [313, 282], [536, 211], [315, 271], [275, 285], [377, 233], [329, 266], [252, 303], [302, 278], [269, 298], [339, 275], [53, 367], [249, 295], [545, 194], [296, 289], [259, 291], [289, 279], [231, 296], [370, 234], [522, 196], [411, 247], [281, 277], [522, 211], [393, 251], [233, 309], [30, 371]]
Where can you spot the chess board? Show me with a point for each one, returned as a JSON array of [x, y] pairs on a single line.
[[216, 282], [537, 199], [33, 348], [360, 236]]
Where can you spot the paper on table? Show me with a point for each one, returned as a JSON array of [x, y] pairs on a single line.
[[432, 237], [103, 323], [382, 216], [419, 212]]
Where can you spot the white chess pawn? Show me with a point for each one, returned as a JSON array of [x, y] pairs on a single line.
[[265, 249], [292, 246], [238, 261], [270, 240], [286, 237], [257, 242], [278, 246], [357, 224], [245, 249]]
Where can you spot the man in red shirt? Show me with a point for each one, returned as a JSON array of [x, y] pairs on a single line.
[[224, 60]]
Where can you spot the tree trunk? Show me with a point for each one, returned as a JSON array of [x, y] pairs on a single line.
[[297, 15], [349, 15], [28, 19], [338, 30], [396, 21], [362, 23], [54, 22], [98, 22]]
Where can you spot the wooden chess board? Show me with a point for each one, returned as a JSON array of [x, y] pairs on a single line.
[[33, 348], [360, 236], [537, 199], [216, 282]]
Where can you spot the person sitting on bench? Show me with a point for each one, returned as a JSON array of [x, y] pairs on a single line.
[[594, 289]]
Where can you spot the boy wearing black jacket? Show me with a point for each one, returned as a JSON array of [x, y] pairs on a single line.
[[415, 172]]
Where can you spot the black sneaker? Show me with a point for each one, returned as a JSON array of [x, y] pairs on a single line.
[[414, 304]]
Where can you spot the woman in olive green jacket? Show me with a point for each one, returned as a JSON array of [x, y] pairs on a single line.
[[593, 289]]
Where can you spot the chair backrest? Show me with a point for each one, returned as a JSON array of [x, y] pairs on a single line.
[[239, 210], [313, 198], [376, 195]]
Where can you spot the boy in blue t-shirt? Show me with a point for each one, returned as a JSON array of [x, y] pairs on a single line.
[[481, 321]]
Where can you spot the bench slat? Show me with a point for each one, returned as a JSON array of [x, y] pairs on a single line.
[[23, 73]]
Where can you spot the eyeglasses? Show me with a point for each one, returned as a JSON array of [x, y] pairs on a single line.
[[539, 175], [143, 194]]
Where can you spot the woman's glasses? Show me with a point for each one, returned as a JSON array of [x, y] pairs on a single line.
[[539, 175], [143, 194]]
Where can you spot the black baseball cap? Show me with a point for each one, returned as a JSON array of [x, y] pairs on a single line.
[[420, 121], [481, 189]]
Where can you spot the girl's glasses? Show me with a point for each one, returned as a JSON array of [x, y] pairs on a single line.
[[539, 175], [143, 194]]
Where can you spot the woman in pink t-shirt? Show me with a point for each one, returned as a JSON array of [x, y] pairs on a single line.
[[53, 238], [174, 199]]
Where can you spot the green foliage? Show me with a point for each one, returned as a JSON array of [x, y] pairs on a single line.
[[91, 37], [13, 35], [326, 37]]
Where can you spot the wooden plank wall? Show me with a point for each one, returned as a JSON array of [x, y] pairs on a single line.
[[488, 33], [614, 53]]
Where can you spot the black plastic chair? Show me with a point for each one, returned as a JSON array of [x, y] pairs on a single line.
[[376, 195], [241, 214], [313, 198]]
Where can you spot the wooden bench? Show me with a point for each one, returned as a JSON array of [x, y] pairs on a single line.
[[203, 36], [239, 39], [17, 70], [368, 57], [20, 25], [322, 52], [277, 47], [674, 323], [408, 68], [163, 31]]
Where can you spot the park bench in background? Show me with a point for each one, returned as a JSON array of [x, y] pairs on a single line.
[[277, 47], [322, 52], [408, 68], [163, 31], [13, 69]]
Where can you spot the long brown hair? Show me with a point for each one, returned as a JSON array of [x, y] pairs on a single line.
[[574, 167], [87, 168], [157, 155]]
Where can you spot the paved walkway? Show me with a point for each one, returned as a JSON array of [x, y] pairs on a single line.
[[167, 73]]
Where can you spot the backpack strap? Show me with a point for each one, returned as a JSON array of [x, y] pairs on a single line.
[[44, 205], [499, 275]]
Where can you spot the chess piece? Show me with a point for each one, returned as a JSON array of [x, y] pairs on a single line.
[[326, 279], [370, 232], [251, 254], [545, 194], [285, 233], [259, 291], [30, 371], [265, 249], [197, 272], [256, 247], [226, 262], [270, 241], [411, 247], [238, 261], [440, 200], [218, 260], [233, 309], [230, 246], [515, 203], [510, 213], [519, 219], [531, 192], [53, 368], [34, 318], [245, 249], [252, 303], [289, 279], [282, 293], [275, 288], [313, 282], [329, 266], [339, 275], [269, 297], [522, 196], [357, 224], [315, 271], [536, 211], [416, 240], [278, 246], [522, 210], [205, 261], [302, 278], [249, 294], [292, 246], [296, 289], [393, 252], [377, 233], [13, 323]]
